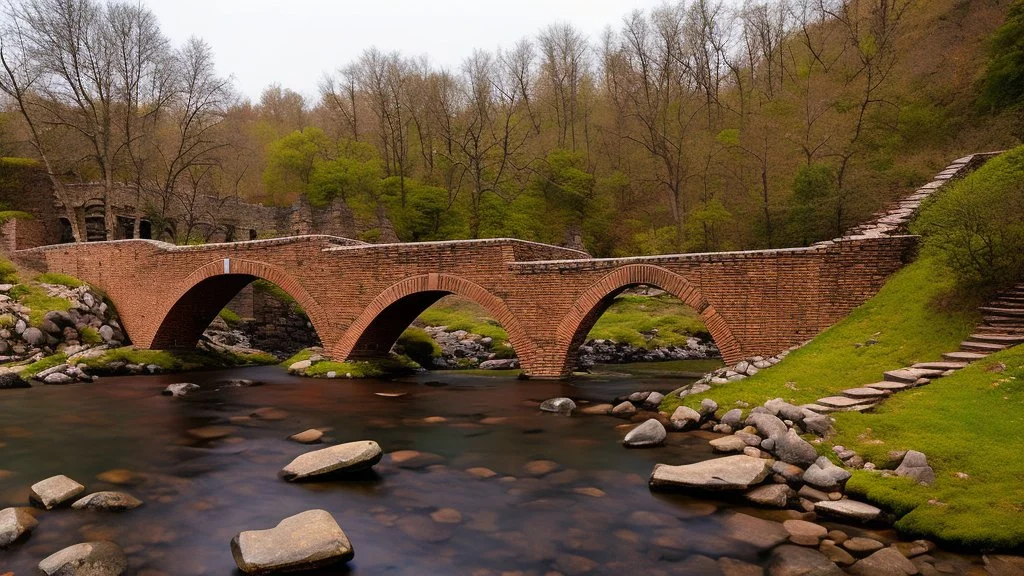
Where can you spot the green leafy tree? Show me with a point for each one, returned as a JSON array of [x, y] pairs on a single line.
[[1004, 77], [290, 163], [814, 191]]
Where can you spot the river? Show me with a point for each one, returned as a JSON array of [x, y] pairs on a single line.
[[593, 514]]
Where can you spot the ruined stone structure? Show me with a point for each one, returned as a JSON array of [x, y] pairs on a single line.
[[360, 297], [148, 215]]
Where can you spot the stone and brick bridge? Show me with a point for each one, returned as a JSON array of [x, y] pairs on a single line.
[[360, 297]]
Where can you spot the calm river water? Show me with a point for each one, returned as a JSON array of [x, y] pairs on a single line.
[[592, 514]]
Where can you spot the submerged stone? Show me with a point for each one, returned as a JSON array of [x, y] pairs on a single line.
[[109, 501]]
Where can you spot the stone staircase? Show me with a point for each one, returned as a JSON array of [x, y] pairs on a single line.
[[1002, 327]]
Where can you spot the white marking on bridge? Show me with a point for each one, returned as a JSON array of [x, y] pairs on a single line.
[[227, 265]]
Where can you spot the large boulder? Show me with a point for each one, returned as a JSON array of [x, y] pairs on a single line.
[[793, 449], [558, 405], [685, 418], [86, 559], [15, 523], [305, 541], [343, 458], [34, 336], [107, 501], [915, 466], [650, 433], [738, 472], [767, 425], [12, 380], [54, 491]]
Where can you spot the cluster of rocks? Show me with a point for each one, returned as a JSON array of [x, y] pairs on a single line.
[[741, 370], [107, 558], [611, 352], [22, 342], [462, 349]]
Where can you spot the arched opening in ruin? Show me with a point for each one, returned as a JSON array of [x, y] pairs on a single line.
[[145, 229], [67, 233], [242, 311], [642, 313], [95, 221], [440, 322]]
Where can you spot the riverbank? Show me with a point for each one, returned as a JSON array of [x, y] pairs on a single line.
[[963, 422]]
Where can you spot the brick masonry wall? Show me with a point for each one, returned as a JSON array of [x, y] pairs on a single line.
[[360, 297]]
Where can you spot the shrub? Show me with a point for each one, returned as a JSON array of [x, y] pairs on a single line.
[[6, 215], [417, 344], [230, 317], [8, 273], [90, 335], [978, 224]]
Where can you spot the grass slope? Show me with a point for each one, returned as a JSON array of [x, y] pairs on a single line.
[[912, 319], [966, 423]]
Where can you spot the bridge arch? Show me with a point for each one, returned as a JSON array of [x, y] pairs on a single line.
[[595, 300], [209, 288], [378, 327]]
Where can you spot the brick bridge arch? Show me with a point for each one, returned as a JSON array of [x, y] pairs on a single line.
[[209, 288], [378, 327], [595, 300]]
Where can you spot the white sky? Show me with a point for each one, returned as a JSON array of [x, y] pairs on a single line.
[[295, 42]]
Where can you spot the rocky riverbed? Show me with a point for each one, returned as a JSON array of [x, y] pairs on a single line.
[[472, 478]]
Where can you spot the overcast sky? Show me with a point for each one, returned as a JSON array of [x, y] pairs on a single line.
[[295, 42]]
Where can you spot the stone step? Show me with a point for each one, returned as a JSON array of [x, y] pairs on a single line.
[[1000, 329], [1010, 312], [963, 356], [940, 365], [890, 386], [1008, 301], [1008, 339], [911, 375], [982, 347], [818, 408], [865, 393], [1003, 321], [844, 403]]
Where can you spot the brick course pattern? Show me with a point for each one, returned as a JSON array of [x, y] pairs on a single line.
[[360, 297]]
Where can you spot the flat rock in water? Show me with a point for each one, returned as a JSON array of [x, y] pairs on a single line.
[[848, 509], [624, 409], [109, 501], [55, 491], [350, 457], [86, 559], [302, 542], [805, 533], [792, 560], [650, 433], [885, 562], [15, 523], [738, 472], [212, 432], [311, 436], [558, 405]]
